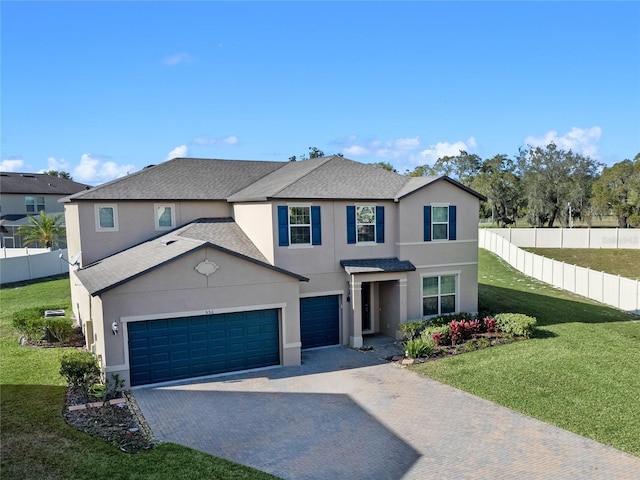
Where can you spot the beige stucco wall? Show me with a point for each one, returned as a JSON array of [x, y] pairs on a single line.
[[176, 289], [136, 223], [403, 239], [256, 220], [321, 263]]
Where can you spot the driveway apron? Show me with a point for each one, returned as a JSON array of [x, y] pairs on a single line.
[[346, 414]]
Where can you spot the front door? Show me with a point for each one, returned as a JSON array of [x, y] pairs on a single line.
[[366, 307]]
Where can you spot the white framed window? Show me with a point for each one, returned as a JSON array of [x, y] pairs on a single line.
[[439, 294], [106, 218], [300, 225], [34, 204], [440, 222], [366, 224], [164, 216]]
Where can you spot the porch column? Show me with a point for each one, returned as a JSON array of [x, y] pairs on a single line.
[[402, 314], [355, 329]]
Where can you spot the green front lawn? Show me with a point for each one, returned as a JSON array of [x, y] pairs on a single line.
[[580, 372], [38, 444]]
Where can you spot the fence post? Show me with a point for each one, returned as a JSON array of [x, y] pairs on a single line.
[[29, 265]]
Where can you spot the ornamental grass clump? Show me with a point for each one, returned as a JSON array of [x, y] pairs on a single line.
[[419, 347]]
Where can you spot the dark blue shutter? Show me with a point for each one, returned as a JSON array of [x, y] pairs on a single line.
[[316, 230], [452, 222], [379, 224], [283, 225], [351, 224], [427, 223]]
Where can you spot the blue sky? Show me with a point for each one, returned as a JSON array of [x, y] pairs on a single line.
[[100, 89]]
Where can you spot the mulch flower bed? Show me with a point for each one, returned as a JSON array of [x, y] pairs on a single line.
[[492, 339], [118, 422]]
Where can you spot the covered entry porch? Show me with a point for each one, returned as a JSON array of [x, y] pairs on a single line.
[[377, 298]]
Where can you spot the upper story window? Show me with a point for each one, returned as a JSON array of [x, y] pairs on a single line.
[[365, 224], [106, 218], [34, 204], [440, 222], [299, 225], [439, 295], [165, 217]]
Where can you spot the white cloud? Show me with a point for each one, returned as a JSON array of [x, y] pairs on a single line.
[[11, 165], [579, 140], [180, 151], [443, 149], [207, 141], [55, 164], [94, 169], [177, 58], [397, 148], [356, 151]]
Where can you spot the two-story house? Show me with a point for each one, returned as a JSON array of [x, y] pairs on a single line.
[[195, 267], [24, 194]]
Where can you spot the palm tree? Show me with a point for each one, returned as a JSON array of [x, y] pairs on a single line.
[[44, 229]]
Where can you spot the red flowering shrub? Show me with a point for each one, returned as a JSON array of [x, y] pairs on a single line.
[[490, 324]]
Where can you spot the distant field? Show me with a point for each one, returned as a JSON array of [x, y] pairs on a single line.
[[614, 261]]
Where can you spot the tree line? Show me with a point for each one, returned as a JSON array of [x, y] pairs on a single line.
[[545, 185]]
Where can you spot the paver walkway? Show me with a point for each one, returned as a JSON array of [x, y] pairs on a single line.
[[346, 414]]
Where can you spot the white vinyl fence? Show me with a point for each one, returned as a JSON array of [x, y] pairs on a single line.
[[612, 290], [571, 237], [18, 264]]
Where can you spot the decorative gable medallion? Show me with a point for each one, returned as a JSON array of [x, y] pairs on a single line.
[[206, 268]]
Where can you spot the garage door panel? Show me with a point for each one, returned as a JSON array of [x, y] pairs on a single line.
[[195, 337], [320, 321], [171, 349]]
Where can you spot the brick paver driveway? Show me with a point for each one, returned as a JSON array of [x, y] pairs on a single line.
[[346, 414]]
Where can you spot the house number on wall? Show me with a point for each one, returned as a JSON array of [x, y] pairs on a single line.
[[206, 268]]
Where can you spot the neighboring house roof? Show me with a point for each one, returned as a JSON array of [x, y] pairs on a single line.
[[38, 183], [333, 178], [183, 179], [222, 234], [377, 265]]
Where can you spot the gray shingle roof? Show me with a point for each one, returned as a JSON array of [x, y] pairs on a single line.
[[376, 265], [183, 179], [221, 234], [325, 178], [333, 177], [38, 183]]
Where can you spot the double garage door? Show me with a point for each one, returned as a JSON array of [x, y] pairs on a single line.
[[172, 349]]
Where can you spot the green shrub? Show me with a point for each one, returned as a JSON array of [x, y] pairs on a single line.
[[439, 335], [31, 324], [447, 319], [419, 347], [60, 328], [413, 329], [516, 323], [80, 369]]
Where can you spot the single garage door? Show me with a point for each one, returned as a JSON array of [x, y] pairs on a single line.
[[320, 321], [171, 349]]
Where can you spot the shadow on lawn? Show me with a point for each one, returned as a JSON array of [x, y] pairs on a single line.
[[549, 310]]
